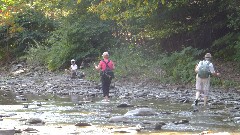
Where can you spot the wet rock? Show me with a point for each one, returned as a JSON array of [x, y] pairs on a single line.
[[18, 131], [153, 125], [23, 120], [117, 119], [7, 115], [82, 124], [35, 121], [83, 102], [158, 126], [122, 131], [124, 105], [141, 112], [29, 129], [142, 106]]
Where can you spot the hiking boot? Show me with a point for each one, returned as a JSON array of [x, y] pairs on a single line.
[[196, 102]]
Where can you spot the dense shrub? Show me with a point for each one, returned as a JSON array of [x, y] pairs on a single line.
[[179, 66]]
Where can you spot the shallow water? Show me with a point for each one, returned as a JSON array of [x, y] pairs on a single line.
[[62, 113]]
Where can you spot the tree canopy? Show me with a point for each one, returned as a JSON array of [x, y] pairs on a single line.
[[84, 28]]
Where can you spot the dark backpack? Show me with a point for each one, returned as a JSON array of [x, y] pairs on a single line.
[[204, 70], [107, 73]]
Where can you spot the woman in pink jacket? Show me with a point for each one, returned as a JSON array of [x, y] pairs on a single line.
[[106, 80]]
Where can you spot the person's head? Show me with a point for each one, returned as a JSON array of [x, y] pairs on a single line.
[[208, 56], [72, 61], [105, 55]]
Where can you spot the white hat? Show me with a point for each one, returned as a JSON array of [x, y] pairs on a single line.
[[105, 53], [208, 55], [72, 60]]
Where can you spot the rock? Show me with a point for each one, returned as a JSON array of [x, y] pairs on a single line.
[[18, 131], [30, 129], [117, 119], [124, 105], [141, 112], [35, 121], [7, 131], [158, 126], [121, 131], [82, 124]]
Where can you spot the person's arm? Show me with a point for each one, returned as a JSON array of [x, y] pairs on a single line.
[[216, 74], [196, 68], [213, 71], [97, 67], [113, 65]]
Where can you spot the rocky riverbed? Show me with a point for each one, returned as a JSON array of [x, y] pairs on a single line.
[[134, 108]]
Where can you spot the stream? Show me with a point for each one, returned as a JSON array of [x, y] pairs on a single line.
[[64, 106], [61, 113]]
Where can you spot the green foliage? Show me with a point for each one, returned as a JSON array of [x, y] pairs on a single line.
[[81, 35], [133, 64], [37, 56], [179, 66], [237, 49], [224, 47], [23, 30], [218, 81]]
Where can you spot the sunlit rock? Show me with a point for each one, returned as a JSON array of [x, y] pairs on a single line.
[[116, 119]]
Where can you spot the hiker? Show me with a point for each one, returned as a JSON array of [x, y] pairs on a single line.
[[204, 70], [106, 66], [73, 69]]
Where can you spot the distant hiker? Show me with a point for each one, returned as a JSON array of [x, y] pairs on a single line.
[[73, 69], [204, 70], [106, 66]]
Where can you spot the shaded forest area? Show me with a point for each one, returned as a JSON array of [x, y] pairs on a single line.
[[51, 32]]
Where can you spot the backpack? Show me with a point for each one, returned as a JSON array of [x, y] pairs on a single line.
[[204, 69], [107, 73]]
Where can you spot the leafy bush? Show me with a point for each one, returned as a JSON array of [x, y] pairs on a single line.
[[179, 66], [37, 55], [79, 39]]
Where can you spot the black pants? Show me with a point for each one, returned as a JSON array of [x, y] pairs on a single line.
[[106, 85]]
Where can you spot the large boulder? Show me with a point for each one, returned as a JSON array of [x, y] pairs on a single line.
[[141, 112]]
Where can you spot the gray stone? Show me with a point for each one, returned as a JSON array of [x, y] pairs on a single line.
[[141, 112], [7, 131], [117, 119]]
